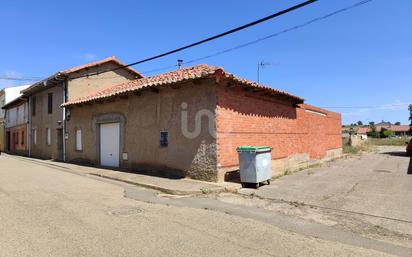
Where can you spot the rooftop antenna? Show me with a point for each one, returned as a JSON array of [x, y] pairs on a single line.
[[261, 65], [180, 63]]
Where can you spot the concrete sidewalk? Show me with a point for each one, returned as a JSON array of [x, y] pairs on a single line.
[[166, 185]]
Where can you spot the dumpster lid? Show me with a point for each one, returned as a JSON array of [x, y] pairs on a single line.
[[253, 148]]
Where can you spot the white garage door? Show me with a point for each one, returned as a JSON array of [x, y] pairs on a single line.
[[109, 144]]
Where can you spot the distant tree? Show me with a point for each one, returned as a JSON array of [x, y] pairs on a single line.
[[373, 132], [360, 123], [398, 123], [386, 133], [372, 123]]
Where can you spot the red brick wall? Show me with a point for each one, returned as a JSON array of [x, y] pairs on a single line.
[[245, 118]]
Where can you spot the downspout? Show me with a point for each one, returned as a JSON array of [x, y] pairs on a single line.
[[29, 127], [64, 117]]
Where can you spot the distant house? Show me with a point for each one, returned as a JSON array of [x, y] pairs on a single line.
[[7, 95], [399, 130]]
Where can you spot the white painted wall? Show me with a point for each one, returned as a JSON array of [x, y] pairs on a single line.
[[10, 94], [13, 92], [16, 116]]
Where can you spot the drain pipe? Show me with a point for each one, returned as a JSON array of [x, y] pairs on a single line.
[[30, 129], [64, 117]]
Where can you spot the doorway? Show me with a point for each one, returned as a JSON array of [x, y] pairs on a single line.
[[109, 144]]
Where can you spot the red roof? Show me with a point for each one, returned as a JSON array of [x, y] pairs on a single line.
[[363, 130], [394, 128], [106, 60], [186, 74]]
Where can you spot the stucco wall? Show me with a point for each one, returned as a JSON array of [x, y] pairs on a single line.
[[144, 117], [43, 120], [18, 139], [83, 86], [2, 136], [244, 118]]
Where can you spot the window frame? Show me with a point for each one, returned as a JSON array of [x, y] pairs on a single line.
[[164, 141], [48, 137], [50, 103], [34, 132], [77, 147], [33, 106], [22, 139]]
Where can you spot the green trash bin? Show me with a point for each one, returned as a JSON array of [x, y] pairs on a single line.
[[255, 163]]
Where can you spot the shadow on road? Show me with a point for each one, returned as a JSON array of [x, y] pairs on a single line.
[[397, 153], [402, 154]]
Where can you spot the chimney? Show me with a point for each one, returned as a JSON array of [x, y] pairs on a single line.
[[180, 63]]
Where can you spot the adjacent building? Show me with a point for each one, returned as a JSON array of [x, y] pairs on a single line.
[[47, 120], [7, 95], [16, 126], [191, 121]]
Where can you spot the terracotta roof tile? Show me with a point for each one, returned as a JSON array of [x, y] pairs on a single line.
[[394, 128], [92, 64], [195, 72]]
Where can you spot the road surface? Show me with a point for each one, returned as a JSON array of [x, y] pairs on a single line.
[[46, 211]]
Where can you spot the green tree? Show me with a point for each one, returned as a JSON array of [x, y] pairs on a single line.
[[386, 133], [398, 123], [372, 123], [360, 123], [373, 132]]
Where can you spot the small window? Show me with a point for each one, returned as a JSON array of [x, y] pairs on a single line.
[[35, 136], [164, 138], [33, 106], [22, 138], [48, 136], [50, 103], [79, 145]]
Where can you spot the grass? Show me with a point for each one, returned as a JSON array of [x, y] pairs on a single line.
[[348, 149], [388, 141]]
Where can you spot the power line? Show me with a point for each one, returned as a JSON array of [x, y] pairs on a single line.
[[266, 37], [367, 107], [272, 16], [20, 78]]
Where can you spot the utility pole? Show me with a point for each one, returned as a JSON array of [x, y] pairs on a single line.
[[260, 65]]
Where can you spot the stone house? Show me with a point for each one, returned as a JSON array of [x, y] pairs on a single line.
[[47, 120], [190, 122]]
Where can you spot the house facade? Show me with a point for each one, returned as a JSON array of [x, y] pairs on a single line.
[[15, 126], [191, 121], [47, 119], [7, 95]]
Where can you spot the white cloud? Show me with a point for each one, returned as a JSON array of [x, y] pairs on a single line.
[[9, 83], [396, 106], [88, 56]]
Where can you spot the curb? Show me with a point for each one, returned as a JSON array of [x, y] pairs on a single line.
[[202, 191], [162, 189]]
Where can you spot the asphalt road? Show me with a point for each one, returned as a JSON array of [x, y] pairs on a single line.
[[48, 212], [369, 195]]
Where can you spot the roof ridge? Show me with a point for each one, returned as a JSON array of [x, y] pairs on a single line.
[[180, 75]]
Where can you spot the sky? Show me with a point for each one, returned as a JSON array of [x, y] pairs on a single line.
[[360, 59]]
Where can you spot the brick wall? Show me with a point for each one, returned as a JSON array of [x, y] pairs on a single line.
[[247, 118]]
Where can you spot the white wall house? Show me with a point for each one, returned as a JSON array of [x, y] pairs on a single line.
[[16, 116]]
